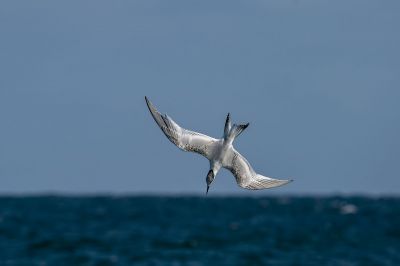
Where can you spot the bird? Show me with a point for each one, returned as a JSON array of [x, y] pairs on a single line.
[[219, 152]]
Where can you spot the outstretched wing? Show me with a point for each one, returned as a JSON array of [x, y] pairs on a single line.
[[246, 177], [185, 139]]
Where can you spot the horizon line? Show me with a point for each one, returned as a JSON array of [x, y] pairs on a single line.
[[194, 194]]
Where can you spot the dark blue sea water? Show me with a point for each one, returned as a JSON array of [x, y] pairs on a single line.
[[199, 231]]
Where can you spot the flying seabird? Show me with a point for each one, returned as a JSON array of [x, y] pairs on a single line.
[[220, 152]]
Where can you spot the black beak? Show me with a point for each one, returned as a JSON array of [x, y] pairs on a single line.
[[208, 187]]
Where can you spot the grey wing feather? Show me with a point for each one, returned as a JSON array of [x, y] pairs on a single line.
[[246, 177], [185, 139]]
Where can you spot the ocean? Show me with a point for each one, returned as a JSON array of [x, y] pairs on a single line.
[[199, 230]]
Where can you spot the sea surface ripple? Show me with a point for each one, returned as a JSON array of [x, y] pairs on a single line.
[[183, 230]]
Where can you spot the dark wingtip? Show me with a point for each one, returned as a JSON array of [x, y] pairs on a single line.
[[245, 126], [147, 102]]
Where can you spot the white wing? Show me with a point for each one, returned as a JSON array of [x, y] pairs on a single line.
[[185, 139], [246, 177]]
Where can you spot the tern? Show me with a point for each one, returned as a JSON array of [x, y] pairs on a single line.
[[220, 152]]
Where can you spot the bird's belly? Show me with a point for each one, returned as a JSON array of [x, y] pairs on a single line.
[[223, 159], [221, 155]]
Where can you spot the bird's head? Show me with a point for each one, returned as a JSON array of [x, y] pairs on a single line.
[[210, 178]]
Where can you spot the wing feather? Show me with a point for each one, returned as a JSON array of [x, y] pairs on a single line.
[[184, 139], [246, 177]]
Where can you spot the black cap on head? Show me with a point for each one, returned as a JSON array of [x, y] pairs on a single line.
[[209, 179]]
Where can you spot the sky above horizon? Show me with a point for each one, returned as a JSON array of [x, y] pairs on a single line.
[[319, 82]]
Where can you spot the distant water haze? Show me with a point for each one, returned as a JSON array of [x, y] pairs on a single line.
[[318, 81]]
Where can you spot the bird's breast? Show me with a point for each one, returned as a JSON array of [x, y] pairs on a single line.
[[222, 154]]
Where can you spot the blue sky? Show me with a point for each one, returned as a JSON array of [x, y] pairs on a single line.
[[317, 80]]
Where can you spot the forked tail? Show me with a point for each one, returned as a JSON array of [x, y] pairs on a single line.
[[231, 132]]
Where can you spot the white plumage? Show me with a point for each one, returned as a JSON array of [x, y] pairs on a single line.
[[220, 152]]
